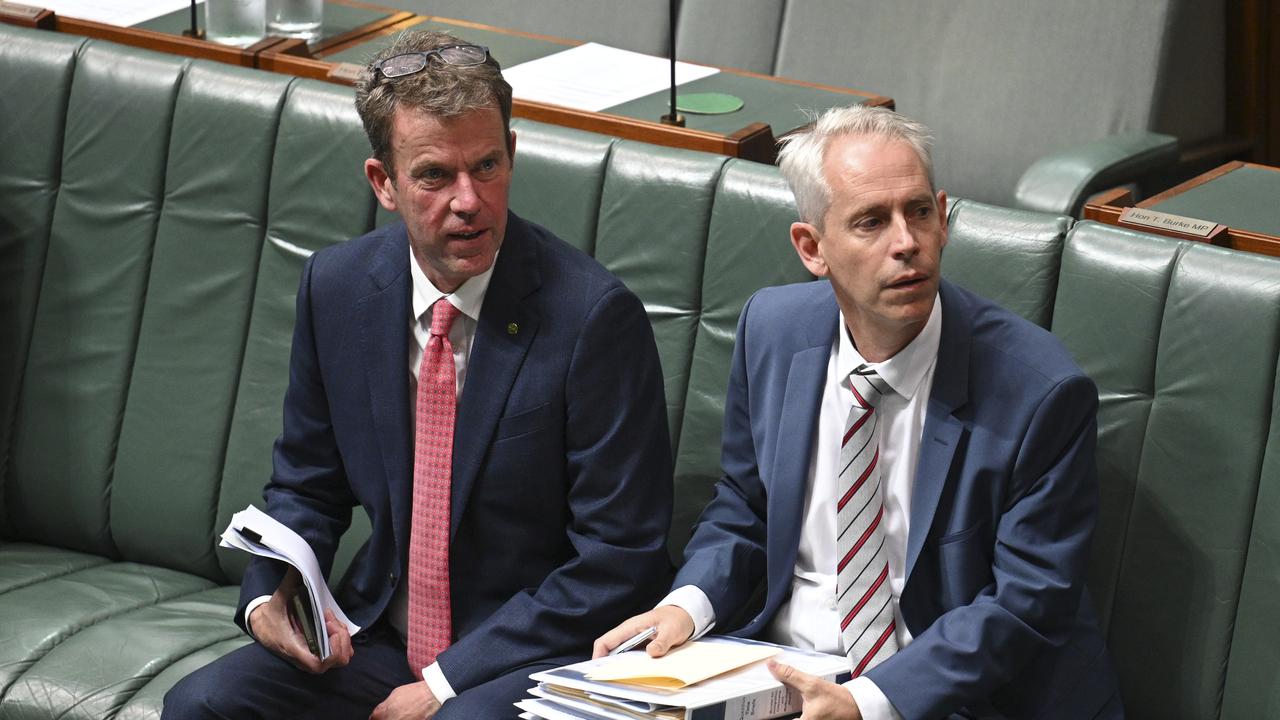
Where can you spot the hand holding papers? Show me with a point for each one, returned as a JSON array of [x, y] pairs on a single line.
[[255, 532], [733, 683]]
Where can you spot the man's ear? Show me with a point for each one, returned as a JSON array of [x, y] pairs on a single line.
[[942, 215], [511, 148], [807, 240], [380, 181]]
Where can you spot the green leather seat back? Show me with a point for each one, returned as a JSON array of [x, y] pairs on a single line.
[[1184, 417], [1009, 256], [703, 25], [654, 217], [1001, 84], [559, 175], [33, 99], [196, 317], [318, 197], [1118, 350], [81, 353], [748, 247], [1255, 653]]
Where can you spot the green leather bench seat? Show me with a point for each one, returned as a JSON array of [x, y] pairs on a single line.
[[154, 217]]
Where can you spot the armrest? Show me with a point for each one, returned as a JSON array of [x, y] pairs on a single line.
[[1061, 182]]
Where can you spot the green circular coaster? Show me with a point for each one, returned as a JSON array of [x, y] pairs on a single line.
[[708, 103]]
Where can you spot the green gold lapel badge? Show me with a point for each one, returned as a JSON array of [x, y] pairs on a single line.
[[512, 328]]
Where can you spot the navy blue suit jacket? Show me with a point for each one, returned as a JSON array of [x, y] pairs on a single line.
[[1001, 515], [561, 490]]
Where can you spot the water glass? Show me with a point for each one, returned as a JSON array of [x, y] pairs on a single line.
[[295, 18], [235, 22]]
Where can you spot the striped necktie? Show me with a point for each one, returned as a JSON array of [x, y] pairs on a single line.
[[862, 571]]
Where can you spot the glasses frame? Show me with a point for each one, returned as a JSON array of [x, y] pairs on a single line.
[[426, 59]]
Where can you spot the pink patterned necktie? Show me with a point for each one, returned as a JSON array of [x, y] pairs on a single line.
[[862, 571], [430, 616]]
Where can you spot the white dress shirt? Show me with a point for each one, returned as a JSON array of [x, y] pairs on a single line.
[[809, 618], [468, 298]]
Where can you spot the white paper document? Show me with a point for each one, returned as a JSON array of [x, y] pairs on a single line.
[[747, 693], [256, 532], [686, 665], [594, 77], [113, 12]]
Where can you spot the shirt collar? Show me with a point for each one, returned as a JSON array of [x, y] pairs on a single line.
[[903, 371], [468, 298]]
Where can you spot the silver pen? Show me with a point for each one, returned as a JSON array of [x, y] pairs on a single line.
[[635, 640]]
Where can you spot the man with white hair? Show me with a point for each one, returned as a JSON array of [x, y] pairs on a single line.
[[907, 468]]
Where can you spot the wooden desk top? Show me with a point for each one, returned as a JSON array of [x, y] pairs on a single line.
[[355, 31], [1243, 197]]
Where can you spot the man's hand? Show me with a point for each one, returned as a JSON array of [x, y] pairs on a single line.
[[408, 701], [822, 700], [674, 627], [272, 626]]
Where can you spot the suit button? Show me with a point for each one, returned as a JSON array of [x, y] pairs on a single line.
[[391, 579]]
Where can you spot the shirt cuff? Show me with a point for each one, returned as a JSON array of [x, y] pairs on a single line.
[[437, 683], [871, 702], [692, 600], [248, 610]]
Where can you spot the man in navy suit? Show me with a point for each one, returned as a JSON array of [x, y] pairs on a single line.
[[964, 594], [556, 502]]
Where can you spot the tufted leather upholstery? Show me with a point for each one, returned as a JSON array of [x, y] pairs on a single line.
[[154, 217]]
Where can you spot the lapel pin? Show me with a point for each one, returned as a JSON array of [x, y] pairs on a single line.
[[512, 328]]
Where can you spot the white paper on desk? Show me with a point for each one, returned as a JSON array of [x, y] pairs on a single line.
[[737, 683], [594, 77], [279, 542], [686, 665], [113, 12]]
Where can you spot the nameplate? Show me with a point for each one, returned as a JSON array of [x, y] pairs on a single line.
[[15, 11], [1165, 221], [348, 73]]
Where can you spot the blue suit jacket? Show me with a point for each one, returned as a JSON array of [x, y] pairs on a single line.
[[561, 490], [1002, 508]]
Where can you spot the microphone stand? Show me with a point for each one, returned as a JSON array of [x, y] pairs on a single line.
[[673, 118], [194, 31]]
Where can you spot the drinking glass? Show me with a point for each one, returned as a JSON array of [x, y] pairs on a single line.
[[235, 22], [295, 18]]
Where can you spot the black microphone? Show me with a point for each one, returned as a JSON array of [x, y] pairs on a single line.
[[673, 118]]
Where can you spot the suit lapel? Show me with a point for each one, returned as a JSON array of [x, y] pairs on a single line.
[[942, 429], [797, 425], [504, 333], [383, 318]]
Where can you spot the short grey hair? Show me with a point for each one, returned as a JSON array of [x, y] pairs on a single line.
[[439, 89], [803, 152]]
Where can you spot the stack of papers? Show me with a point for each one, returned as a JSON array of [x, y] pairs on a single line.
[[256, 532], [726, 677], [595, 77]]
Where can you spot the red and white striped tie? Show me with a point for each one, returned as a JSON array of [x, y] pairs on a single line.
[[862, 571], [430, 614]]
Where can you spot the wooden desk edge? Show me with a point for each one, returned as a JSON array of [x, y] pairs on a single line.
[[28, 16], [1245, 240], [154, 40]]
